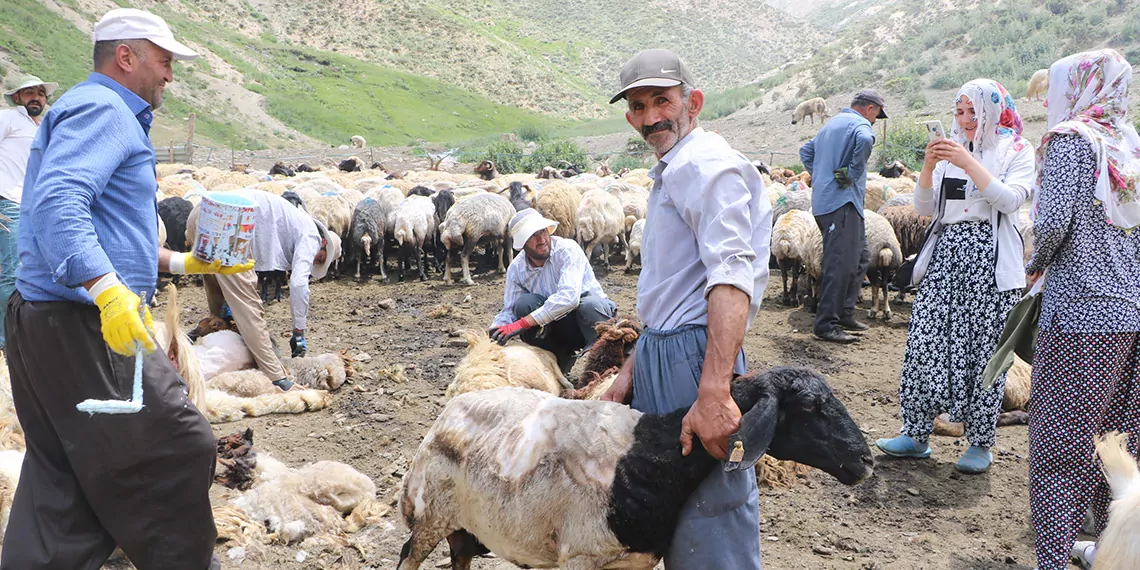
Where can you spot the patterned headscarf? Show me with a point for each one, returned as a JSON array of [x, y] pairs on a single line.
[[994, 110], [1088, 96]]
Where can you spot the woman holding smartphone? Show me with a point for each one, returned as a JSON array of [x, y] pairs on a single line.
[[971, 273], [1086, 370]]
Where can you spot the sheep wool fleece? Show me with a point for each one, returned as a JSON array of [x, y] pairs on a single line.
[[91, 482], [719, 525]]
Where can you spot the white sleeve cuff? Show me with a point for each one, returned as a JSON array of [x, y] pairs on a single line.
[[178, 263], [104, 283]]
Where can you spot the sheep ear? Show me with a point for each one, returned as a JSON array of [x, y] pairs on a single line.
[[757, 428]]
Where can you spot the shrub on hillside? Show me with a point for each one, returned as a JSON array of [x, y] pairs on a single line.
[[905, 141], [530, 133], [507, 156], [630, 162], [556, 153]]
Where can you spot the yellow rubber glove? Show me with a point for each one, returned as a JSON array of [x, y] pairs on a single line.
[[187, 264], [123, 328]]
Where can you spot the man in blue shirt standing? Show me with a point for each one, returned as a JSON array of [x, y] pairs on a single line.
[[88, 246], [837, 160]]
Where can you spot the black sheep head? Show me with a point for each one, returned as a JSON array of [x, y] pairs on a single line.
[[791, 414]]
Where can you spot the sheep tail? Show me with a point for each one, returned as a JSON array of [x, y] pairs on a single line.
[[1119, 466]]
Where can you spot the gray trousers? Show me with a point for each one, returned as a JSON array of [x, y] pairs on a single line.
[[719, 526], [572, 332], [90, 482], [845, 260]]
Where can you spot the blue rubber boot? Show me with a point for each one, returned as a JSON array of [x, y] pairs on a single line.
[[904, 446], [975, 460]]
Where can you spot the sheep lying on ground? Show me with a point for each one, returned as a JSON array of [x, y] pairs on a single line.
[[1118, 548], [1038, 85], [352, 164], [792, 232], [543, 481], [633, 248], [414, 226], [886, 257], [479, 219], [323, 372], [488, 365], [559, 202], [600, 222], [811, 108], [486, 170], [357, 141], [895, 169]]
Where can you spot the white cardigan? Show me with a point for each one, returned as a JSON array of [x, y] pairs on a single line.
[[1010, 187]]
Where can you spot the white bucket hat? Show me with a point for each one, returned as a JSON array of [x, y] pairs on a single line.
[[525, 223], [26, 82], [133, 24], [332, 251]]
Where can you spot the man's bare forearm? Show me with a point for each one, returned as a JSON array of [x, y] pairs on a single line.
[[728, 321]]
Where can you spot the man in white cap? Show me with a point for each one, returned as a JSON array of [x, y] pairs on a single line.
[[17, 129], [88, 243], [551, 286], [704, 260], [285, 238]]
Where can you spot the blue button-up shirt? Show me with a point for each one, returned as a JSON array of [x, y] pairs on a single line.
[[709, 223], [845, 141], [89, 196]]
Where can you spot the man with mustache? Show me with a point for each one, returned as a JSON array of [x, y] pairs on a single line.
[[551, 286], [17, 129], [704, 270], [837, 160]]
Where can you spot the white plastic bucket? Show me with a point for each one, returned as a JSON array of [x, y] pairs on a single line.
[[225, 228]]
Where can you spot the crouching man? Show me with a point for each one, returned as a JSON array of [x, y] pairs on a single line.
[[552, 299]]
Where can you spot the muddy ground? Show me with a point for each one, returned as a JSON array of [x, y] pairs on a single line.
[[910, 514]]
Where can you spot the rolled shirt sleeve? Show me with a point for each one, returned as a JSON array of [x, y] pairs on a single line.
[[72, 174], [303, 254], [569, 293]]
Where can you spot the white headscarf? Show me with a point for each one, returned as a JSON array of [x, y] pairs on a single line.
[[1088, 96], [997, 120]]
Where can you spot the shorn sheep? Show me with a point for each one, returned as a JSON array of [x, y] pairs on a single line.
[[810, 108], [1038, 85], [358, 141], [1118, 548], [791, 234], [488, 365], [886, 257], [559, 202], [601, 221], [479, 219], [543, 481]]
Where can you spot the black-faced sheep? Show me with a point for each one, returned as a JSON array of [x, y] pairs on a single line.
[[761, 167], [304, 168], [366, 234], [443, 201], [486, 170], [518, 196], [294, 198], [421, 191], [279, 168], [600, 222], [543, 481], [895, 169], [357, 141], [352, 164], [483, 218], [377, 166], [810, 108], [174, 212], [549, 172], [886, 256]]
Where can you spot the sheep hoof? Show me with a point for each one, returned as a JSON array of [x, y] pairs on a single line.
[[886, 316], [468, 282], [871, 314]]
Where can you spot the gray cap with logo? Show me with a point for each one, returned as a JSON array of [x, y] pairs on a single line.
[[871, 96], [653, 68]]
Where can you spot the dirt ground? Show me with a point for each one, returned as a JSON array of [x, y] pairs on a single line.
[[910, 514]]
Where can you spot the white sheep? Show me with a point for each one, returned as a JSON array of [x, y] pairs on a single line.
[[880, 190], [488, 365], [634, 202], [797, 199], [484, 218], [331, 210], [558, 201], [543, 481], [1118, 548], [886, 257], [358, 141], [634, 246], [793, 233], [600, 222], [415, 224], [810, 108], [323, 372], [1038, 85]]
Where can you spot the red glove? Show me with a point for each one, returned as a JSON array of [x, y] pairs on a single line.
[[506, 332]]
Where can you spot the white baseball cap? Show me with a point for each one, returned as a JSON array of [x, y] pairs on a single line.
[[525, 223], [133, 24]]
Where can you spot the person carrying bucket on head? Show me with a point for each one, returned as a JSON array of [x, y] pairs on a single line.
[[88, 240], [285, 238]]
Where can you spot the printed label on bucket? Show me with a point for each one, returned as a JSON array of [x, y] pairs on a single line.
[[225, 228]]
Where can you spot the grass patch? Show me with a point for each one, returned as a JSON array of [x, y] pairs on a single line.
[[44, 44]]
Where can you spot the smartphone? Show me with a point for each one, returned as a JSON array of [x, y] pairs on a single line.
[[934, 130]]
